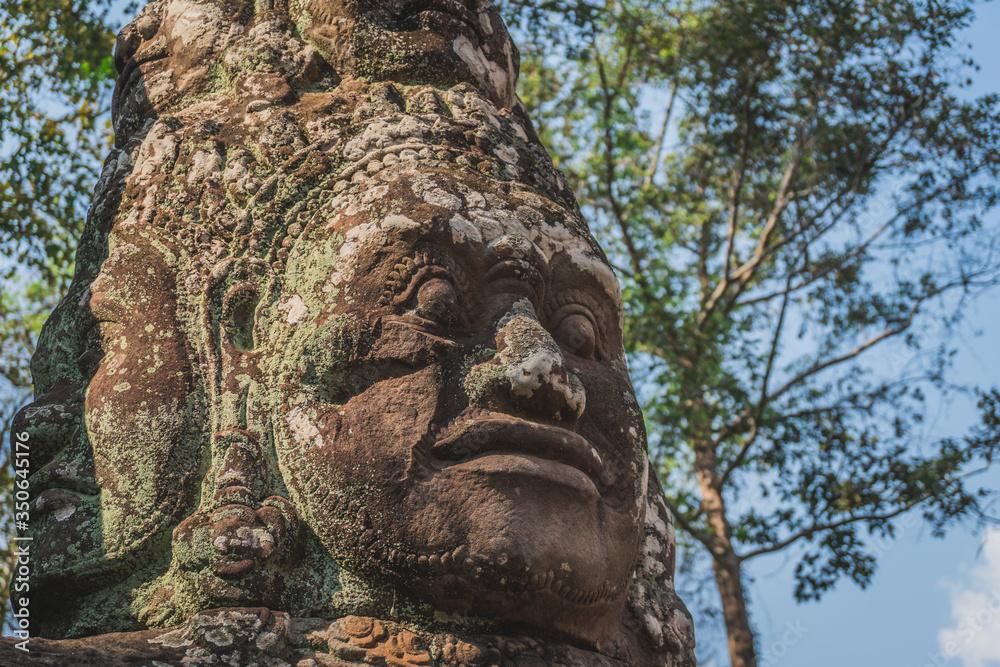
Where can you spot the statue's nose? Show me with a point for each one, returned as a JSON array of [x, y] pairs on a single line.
[[528, 373]]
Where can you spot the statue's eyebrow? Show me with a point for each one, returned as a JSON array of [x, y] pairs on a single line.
[[399, 281], [105, 308], [513, 256], [596, 268]]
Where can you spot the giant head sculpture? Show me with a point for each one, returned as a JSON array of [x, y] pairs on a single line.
[[340, 346], [452, 405]]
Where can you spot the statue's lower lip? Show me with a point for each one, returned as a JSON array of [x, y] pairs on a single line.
[[62, 503], [466, 440]]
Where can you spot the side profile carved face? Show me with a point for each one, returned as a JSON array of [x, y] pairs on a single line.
[[114, 441], [453, 408], [421, 41]]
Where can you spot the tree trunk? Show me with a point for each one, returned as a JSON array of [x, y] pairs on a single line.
[[726, 565], [734, 612]]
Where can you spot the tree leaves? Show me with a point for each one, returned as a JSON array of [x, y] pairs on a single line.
[[796, 198], [56, 76], [55, 59]]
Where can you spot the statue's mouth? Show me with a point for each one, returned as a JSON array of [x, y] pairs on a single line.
[[58, 478], [492, 433], [416, 15]]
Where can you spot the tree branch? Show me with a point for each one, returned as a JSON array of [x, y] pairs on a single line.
[[735, 192], [609, 174], [762, 400], [657, 154], [819, 527], [706, 539]]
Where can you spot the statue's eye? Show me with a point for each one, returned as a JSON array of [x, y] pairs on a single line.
[[576, 332], [437, 301]]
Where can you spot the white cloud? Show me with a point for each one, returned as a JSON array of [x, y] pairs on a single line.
[[974, 639]]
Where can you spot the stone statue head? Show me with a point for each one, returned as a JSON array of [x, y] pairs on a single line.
[[453, 414], [115, 433], [341, 344]]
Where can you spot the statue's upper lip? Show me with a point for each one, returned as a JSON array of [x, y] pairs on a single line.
[[62, 476], [450, 7], [495, 433]]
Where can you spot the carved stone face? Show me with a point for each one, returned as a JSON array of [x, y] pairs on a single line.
[[453, 407], [422, 41], [353, 354], [114, 470]]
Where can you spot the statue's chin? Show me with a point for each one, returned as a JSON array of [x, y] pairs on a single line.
[[540, 612], [546, 558]]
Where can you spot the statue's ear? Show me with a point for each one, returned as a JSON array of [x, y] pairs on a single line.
[[235, 293]]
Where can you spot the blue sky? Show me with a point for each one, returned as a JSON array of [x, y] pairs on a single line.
[[932, 603]]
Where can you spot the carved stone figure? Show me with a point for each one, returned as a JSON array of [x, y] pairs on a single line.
[[340, 377]]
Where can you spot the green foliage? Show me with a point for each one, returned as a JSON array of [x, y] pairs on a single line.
[[56, 76], [794, 194]]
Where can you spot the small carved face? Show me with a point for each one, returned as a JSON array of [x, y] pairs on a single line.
[[422, 41], [453, 406], [114, 440]]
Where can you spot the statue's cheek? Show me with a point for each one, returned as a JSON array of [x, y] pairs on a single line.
[[376, 430], [367, 450], [613, 423], [144, 444]]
